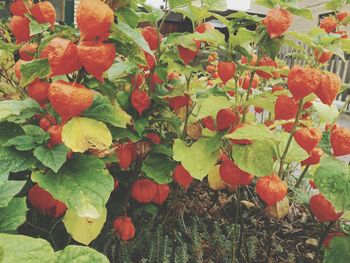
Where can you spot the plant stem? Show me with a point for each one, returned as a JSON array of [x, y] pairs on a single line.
[[302, 176], [248, 94], [188, 111], [323, 236], [284, 155]]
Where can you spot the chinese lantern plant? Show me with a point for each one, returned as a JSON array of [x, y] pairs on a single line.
[[113, 119]]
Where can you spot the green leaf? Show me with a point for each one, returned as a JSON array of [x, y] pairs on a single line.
[[36, 28], [9, 130], [295, 152], [10, 108], [332, 178], [162, 149], [333, 5], [266, 3], [303, 12], [128, 16], [81, 133], [211, 105], [251, 132], [18, 248], [256, 158], [37, 68], [9, 47], [82, 229], [122, 30], [198, 159], [325, 113], [338, 251], [121, 69], [159, 168], [265, 100], [140, 125], [14, 215], [14, 161], [104, 111], [21, 143], [8, 189], [80, 254], [82, 183], [52, 158], [177, 3], [39, 135]]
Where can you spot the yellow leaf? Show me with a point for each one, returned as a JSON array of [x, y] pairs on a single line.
[[278, 210], [81, 134], [84, 229], [214, 179]]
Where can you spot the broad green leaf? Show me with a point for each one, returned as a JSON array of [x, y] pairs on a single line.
[[251, 132], [36, 28], [338, 251], [304, 38], [162, 149], [80, 134], [21, 143], [128, 16], [198, 159], [256, 158], [211, 105], [194, 13], [14, 161], [303, 12], [10, 108], [103, 110], [52, 158], [82, 183], [325, 113], [38, 134], [159, 168], [8, 189], [37, 68], [80, 254], [121, 69], [14, 215], [332, 178], [177, 3], [9, 130], [83, 229], [19, 248], [10, 47], [295, 152], [124, 30], [265, 100], [333, 5], [266, 3]]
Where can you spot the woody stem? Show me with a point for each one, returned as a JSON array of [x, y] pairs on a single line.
[[302, 176], [248, 93], [284, 155]]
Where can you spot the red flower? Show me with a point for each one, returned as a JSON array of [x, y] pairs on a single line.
[[330, 236], [285, 108], [329, 88], [230, 173], [124, 228], [314, 158], [143, 190], [154, 138], [271, 189], [203, 27], [161, 194], [178, 102], [308, 138], [140, 101], [45, 203], [277, 21], [182, 177], [226, 71], [329, 24], [126, 154], [151, 35], [266, 62], [340, 141], [187, 55], [322, 209], [225, 119]]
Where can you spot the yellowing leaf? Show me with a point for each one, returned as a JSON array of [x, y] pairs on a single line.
[[278, 210], [214, 179], [81, 134], [84, 229]]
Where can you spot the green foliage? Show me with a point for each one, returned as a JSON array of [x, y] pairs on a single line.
[[37, 68], [13, 215], [14, 161], [159, 168], [8, 189], [18, 110], [82, 183], [203, 158], [332, 178], [339, 250], [52, 158]]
